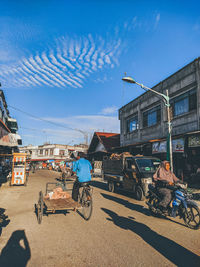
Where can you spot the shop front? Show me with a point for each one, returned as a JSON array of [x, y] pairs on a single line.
[[159, 149], [193, 156]]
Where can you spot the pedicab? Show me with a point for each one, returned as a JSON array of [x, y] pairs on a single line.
[[19, 175], [63, 202]]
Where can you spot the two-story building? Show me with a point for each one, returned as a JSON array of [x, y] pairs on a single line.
[[143, 121]]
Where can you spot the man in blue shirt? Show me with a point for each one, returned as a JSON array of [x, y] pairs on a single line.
[[83, 170]]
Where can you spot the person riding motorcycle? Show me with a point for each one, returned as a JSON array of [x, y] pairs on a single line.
[[163, 177]]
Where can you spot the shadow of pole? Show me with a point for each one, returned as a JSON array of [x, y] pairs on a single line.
[[172, 251], [17, 251]]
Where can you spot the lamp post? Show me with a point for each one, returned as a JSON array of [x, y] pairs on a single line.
[[165, 99]]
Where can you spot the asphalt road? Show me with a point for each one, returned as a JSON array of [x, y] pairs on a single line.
[[121, 232]]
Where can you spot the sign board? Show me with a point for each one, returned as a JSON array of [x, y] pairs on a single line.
[[194, 141], [161, 147], [19, 169], [178, 145]]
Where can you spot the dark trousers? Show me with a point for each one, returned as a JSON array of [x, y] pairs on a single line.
[[75, 190], [165, 195]]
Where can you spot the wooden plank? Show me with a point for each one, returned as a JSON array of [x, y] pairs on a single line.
[[60, 204]]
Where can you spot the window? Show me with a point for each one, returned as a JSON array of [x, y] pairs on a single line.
[[132, 124], [51, 152], [151, 117], [184, 103], [62, 152]]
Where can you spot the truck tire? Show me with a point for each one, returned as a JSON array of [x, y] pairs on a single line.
[[139, 194], [111, 186]]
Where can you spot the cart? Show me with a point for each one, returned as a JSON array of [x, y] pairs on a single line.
[[52, 206], [19, 169]]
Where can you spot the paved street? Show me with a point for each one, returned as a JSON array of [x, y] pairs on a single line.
[[120, 232]]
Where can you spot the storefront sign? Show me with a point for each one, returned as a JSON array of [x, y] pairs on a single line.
[[178, 145], [6, 138], [194, 141], [161, 147]]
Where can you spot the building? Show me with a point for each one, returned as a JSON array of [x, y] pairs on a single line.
[[143, 121], [8, 138], [52, 151], [102, 144]]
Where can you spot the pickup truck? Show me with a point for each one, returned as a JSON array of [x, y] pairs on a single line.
[[132, 174]]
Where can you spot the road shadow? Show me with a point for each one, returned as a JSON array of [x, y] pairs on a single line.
[[119, 191], [100, 185], [3, 180], [196, 196], [4, 221], [17, 251], [138, 208], [172, 251], [127, 204]]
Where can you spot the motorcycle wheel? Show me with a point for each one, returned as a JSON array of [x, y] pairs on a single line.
[[192, 217]]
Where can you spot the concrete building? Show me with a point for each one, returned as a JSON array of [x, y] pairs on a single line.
[[143, 121]]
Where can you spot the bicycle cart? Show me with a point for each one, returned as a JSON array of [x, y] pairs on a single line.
[[51, 206]]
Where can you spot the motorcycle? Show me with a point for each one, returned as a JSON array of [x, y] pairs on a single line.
[[181, 204]]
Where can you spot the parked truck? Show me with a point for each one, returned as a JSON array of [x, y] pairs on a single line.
[[132, 174]]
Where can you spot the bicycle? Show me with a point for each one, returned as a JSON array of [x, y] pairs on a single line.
[[85, 200]]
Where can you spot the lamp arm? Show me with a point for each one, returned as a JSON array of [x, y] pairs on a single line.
[[165, 97]]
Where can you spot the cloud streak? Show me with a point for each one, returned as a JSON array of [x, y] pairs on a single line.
[[66, 63]]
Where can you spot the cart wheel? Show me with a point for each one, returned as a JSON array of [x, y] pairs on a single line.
[[40, 207]]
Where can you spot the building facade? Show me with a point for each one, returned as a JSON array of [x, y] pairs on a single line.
[[143, 121], [8, 138], [52, 151]]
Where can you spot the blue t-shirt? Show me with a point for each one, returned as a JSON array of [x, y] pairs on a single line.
[[82, 167]]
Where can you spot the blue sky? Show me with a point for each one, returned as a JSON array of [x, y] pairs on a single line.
[[63, 60]]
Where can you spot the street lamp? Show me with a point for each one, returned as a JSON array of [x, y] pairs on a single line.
[[165, 99]]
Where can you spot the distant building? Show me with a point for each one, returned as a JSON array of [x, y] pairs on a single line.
[[51, 151], [143, 121], [102, 144]]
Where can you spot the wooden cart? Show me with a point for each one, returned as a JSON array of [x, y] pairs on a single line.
[[47, 206]]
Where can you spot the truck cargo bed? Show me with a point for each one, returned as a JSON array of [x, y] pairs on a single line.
[[113, 166]]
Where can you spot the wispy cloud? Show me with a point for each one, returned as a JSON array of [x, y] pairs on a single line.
[[157, 20], [109, 110], [79, 126], [66, 63]]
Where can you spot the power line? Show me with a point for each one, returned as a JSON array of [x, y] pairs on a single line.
[[38, 118], [53, 123]]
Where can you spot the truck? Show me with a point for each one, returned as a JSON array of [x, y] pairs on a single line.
[[133, 174]]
